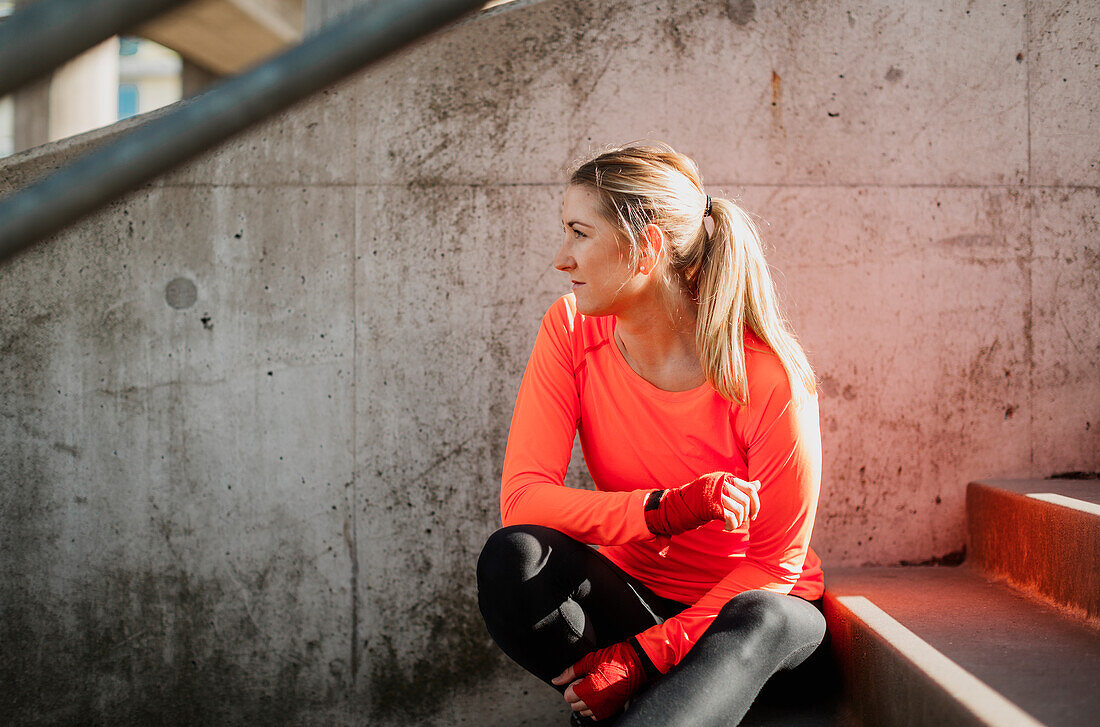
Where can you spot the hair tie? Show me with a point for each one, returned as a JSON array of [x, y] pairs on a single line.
[[706, 212]]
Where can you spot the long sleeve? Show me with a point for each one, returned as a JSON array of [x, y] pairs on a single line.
[[540, 441], [783, 444]]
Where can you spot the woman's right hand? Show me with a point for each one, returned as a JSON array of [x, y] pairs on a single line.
[[713, 496]]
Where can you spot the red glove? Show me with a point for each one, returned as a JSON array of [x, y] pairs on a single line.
[[688, 506], [614, 673]]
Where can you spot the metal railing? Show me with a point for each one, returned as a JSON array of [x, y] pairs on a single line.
[[352, 41]]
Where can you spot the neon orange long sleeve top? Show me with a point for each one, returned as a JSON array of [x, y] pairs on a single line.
[[636, 438]]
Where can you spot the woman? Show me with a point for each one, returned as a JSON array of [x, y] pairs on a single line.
[[697, 416]]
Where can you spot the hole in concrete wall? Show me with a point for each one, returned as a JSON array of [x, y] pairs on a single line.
[[181, 293]]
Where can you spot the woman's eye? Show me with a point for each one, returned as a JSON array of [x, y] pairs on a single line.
[[576, 233]]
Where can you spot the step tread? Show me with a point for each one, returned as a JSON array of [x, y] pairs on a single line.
[[1039, 659], [1084, 490]]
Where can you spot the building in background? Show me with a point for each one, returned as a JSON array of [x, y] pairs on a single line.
[[6, 106], [149, 76], [194, 46]]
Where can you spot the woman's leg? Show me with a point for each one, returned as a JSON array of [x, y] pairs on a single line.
[[755, 635], [548, 599]]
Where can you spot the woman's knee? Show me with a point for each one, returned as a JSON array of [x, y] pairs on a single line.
[[778, 624], [756, 612], [511, 556]]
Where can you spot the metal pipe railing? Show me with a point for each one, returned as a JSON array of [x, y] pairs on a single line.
[[355, 39], [41, 36]]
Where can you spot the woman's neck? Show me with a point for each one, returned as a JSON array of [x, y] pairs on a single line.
[[657, 337]]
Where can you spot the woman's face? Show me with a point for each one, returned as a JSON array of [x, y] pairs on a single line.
[[594, 256]]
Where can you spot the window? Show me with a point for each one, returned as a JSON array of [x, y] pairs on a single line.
[[128, 46], [127, 100]]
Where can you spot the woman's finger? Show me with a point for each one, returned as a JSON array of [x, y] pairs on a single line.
[[575, 703], [734, 513], [564, 678], [754, 500], [738, 495], [751, 491]]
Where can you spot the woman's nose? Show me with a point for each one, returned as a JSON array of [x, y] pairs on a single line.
[[563, 261]]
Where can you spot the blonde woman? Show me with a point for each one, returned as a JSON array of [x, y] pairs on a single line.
[[698, 420]]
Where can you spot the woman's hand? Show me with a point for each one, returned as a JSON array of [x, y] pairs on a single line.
[[602, 681], [575, 703], [740, 501], [714, 496]]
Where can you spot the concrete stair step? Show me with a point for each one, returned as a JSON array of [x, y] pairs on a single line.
[[1041, 536], [947, 646], [825, 711]]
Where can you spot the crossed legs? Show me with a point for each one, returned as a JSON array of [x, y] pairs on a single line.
[[548, 600]]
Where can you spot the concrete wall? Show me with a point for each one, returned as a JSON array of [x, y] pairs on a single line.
[[252, 416]]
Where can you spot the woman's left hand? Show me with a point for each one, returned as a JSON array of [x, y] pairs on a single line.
[[602, 681], [575, 703], [740, 501]]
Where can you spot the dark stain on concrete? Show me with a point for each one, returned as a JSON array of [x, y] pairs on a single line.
[[969, 241], [982, 364], [69, 449], [152, 647], [351, 540], [949, 559], [830, 387], [777, 105], [25, 325], [741, 12], [894, 74], [682, 24], [675, 33], [983, 250], [458, 654]]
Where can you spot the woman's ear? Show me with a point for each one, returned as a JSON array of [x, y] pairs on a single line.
[[654, 243]]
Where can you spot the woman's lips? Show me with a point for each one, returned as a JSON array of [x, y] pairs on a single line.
[[576, 284]]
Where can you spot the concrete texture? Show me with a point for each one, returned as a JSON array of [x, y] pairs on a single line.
[[168, 549], [1030, 654], [1065, 137], [1043, 548], [253, 415]]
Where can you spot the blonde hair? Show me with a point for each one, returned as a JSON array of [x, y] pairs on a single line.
[[724, 271]]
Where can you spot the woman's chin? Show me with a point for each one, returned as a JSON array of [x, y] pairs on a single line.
[[590, 310], [580, 302]]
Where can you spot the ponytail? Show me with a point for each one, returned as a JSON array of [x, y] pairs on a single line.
[[734, 290]]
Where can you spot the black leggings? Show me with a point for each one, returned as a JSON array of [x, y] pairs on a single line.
[[548, 600]]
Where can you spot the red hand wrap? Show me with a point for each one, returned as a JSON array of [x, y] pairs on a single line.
[[614, 673], [688, 506]]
